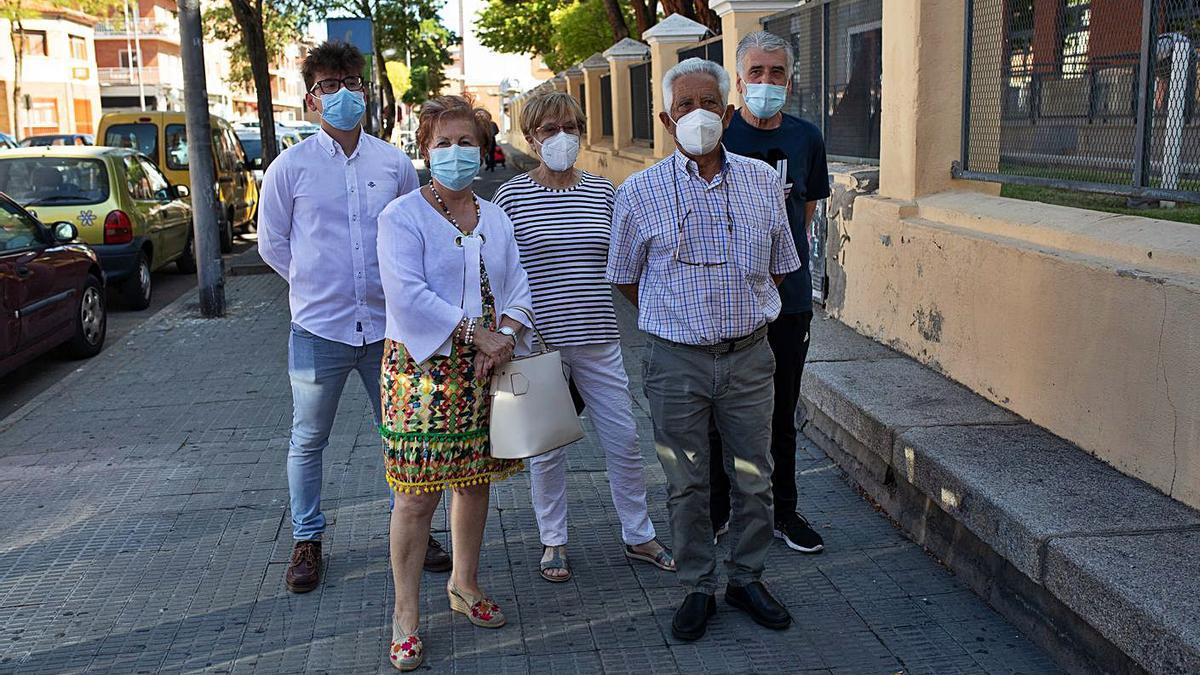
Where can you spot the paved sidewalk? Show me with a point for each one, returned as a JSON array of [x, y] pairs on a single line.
[[147, 531]]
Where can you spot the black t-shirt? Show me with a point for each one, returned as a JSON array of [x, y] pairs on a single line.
[[797, 151]]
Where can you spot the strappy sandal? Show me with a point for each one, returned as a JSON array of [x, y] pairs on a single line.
[[407, 653], [556, 562], [663, 560], [482, 611]]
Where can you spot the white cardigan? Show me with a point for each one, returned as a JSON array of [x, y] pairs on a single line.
[[424, 267]]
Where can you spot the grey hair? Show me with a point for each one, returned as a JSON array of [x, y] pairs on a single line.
[[768, 42], [692, 66]]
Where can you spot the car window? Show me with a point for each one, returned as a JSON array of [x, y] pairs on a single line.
[[17, 229], [176, 147], [138, 182], [59, 181], [158, 182], [252, 146], [140, 137]]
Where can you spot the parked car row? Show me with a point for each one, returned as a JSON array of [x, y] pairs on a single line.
[[51, 290]]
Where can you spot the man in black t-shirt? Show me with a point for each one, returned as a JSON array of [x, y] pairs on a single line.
[[797, 151]]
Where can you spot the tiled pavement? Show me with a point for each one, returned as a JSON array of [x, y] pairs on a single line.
[[147, 531]]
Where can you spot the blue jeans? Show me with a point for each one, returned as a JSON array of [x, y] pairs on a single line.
[[318, 369]]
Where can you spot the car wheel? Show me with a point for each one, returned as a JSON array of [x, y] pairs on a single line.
[[91, 321], [137, 289], [186, 263], [226, 226]]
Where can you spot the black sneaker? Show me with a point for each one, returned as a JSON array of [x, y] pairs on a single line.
[[798, 534]]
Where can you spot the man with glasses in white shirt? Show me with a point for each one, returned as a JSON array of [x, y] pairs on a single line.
[[700, 242], [317, 228]]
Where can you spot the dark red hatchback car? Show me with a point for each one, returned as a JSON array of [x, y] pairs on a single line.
[[51, 290]]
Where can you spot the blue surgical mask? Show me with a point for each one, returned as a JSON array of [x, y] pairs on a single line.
[[343, 109], [764, 100], [455, 166]]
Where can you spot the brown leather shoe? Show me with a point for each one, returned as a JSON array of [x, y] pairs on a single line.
[[436, 557], [304, 570]]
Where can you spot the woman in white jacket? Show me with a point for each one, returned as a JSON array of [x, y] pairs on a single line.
[[456, 301]]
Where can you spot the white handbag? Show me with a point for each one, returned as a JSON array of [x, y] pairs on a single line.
[[532, 409]]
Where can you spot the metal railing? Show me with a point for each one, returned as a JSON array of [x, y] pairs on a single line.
[[641, 101], [606, 105], [150, 75], [837, 81], [146, 27], [1082, 96], [710, 49]]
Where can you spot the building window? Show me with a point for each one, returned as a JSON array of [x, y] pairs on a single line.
[[33, 42], [128, 59], [79, 50], [43, 116], [1020, 58], [1076, 29]]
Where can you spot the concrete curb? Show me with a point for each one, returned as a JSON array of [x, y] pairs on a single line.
[[1100, 568]]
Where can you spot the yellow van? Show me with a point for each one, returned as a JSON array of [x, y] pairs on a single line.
[[162, 136]]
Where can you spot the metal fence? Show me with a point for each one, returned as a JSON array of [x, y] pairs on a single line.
[[837, 82], [606, 109], [1093, 96], [710, 49], [641, 101]]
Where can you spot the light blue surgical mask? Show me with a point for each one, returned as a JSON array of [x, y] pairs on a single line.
[[343, 109], [455, 166], [764, 100]]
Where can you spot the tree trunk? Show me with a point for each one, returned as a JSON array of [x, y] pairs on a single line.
[[249, 18], [708, 17], [646, 14], [385, 84], [616, 20], [17, 37], [684, 7]]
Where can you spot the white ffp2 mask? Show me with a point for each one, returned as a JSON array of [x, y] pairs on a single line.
[[560, 151], [699, 131]]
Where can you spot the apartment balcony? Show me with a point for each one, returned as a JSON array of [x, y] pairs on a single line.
[[147, 27], [151, 76]]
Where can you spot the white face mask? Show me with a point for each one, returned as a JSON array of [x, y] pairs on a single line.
[[560, 151], [699, 131]]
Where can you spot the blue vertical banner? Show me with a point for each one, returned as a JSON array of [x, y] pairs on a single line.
[[357, 32]]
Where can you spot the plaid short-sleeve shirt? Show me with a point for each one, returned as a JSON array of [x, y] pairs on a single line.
[[702, 252]]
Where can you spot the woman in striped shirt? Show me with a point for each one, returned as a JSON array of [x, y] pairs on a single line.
[[562, 218]]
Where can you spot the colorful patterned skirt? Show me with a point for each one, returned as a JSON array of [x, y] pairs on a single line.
[[435, 422]]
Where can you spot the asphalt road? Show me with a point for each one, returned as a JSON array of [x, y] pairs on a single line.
[[22, 384]]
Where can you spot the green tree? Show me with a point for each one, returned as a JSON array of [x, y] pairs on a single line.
[[17, 11], [580, 30], [519, 27], [280, 29]]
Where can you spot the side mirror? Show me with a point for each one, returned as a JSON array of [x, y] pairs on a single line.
[[181, 191], [65, 232]]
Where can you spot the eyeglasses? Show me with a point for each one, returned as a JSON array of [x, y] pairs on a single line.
[[702, 249], [332, 85], [549, 130]]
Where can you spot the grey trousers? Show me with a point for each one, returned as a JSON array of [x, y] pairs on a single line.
[[686, 388]]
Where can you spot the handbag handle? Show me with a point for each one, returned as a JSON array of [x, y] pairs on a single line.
[[533, 324]]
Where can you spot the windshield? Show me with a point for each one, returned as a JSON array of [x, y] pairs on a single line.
[[59, 181], [140, 137], [253, 147]]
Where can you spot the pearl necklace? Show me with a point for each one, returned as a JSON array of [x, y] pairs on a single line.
[[445, 210]]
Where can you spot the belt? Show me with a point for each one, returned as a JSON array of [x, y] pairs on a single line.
[[726, 347]]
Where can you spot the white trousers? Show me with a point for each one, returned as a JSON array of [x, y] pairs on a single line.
[[599, 374]]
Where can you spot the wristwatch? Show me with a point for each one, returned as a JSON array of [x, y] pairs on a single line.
[[508, 331]]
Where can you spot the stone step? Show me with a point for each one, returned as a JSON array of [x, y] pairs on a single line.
[[1101, 568]]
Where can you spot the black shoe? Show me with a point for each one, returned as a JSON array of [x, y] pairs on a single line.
[[436, 557], [304, 569], [798, 534], [691, 619], [755, 600]]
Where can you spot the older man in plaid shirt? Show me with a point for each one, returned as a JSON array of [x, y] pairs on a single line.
[[699, 243]]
